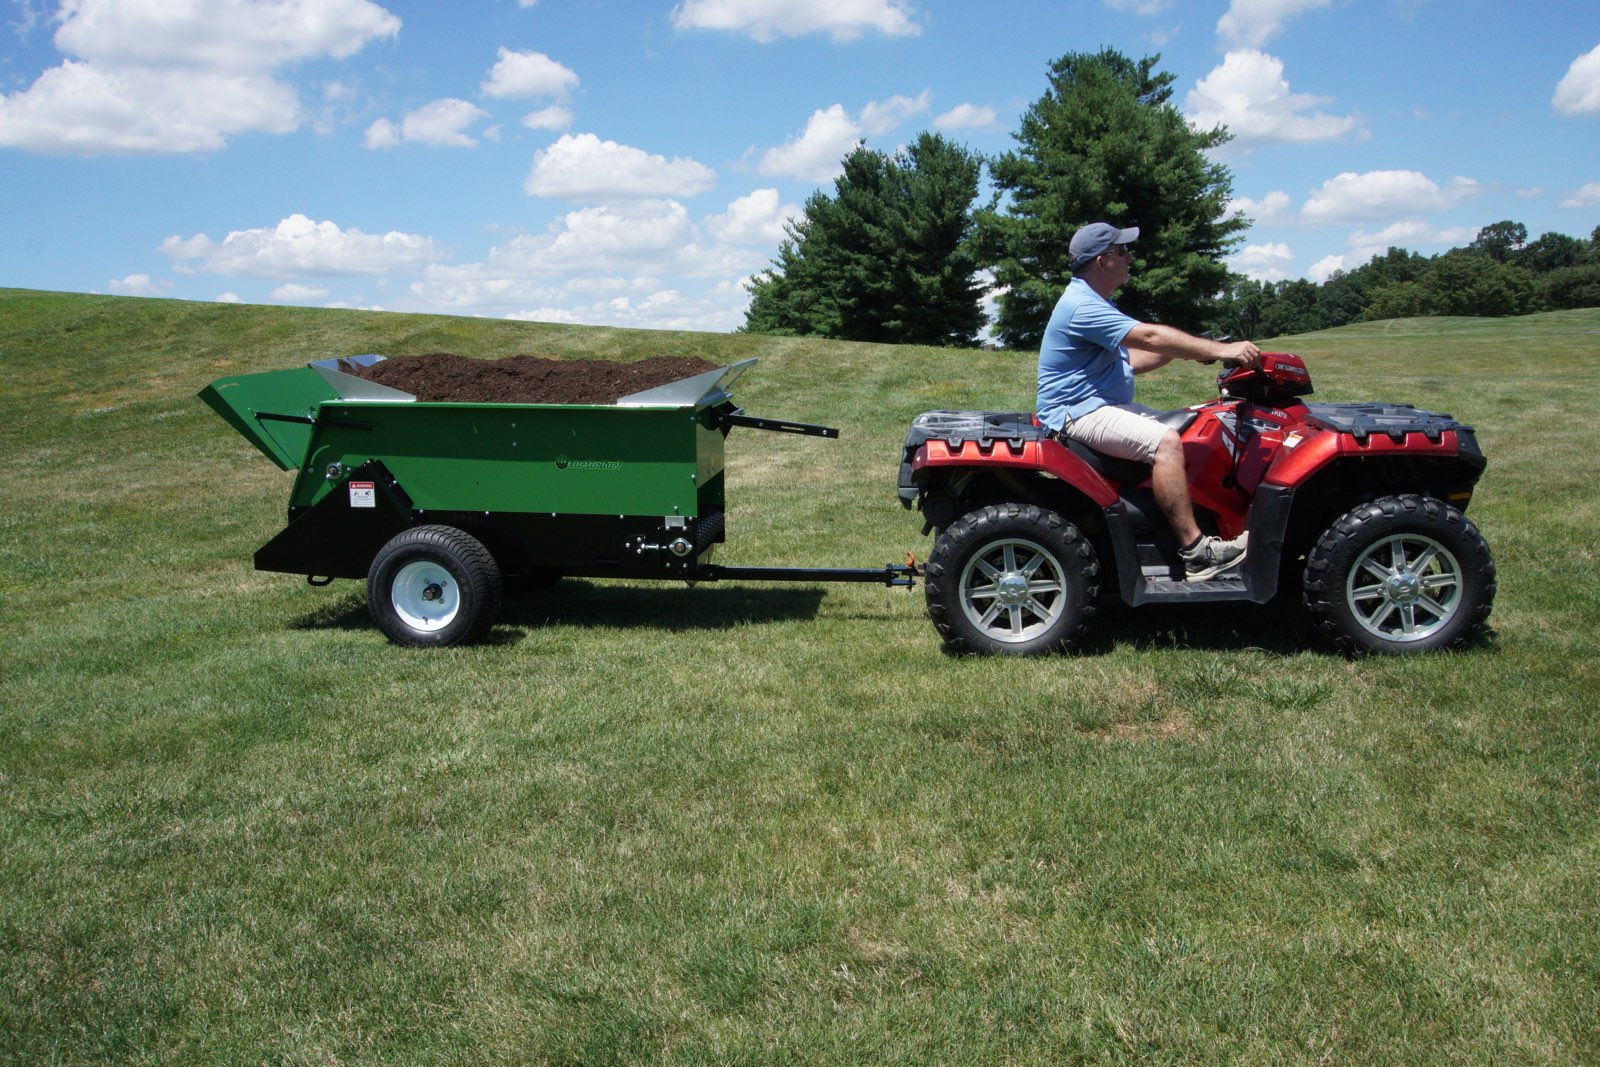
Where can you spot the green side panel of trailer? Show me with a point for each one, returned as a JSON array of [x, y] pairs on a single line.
[[556, 458], [271, 410]]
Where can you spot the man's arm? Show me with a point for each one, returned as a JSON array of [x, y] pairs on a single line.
[[1150, 346]]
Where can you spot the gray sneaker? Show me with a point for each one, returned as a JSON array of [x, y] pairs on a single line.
[[1212, 556]]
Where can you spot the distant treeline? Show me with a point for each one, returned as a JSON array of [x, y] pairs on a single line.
[[1500, 273]]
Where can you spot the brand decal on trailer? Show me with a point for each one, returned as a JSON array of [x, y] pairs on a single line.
[[563, 463], [363, 494]]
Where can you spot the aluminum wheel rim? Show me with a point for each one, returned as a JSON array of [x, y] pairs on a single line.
[[1404, 588], [1014, 590], [425, 595]]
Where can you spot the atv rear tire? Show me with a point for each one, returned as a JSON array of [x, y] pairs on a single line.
[[1400, 574], [432, 586], [1011, 579]]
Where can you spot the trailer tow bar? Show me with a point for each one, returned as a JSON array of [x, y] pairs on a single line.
[[892, 575]]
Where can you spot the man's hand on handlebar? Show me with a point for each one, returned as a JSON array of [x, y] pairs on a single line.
[[1240, 354]]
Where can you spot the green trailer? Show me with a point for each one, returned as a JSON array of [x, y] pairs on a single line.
[[438, 505]]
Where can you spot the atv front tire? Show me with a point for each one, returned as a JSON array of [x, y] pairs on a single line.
[[1011, 579], [1400, 574], [432, 586]]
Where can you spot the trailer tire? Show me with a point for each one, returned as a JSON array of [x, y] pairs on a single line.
[[1012, 579], [433, 586]]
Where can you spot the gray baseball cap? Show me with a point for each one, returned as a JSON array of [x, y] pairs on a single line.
[[1095, 238]]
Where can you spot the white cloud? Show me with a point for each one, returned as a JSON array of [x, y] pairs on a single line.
[[152, 76], [1327, 267], [1249, 95], [527, 76], [647, 237], [1579, 91], [583, 167], [298, 247], [381, 134], [1255, 22], [880, 117], [832, 133], [228, 298], [1588, 196], [965, 117], [295, 293], [219, 34], [554, 117], [718, 310], [1383, 194], [767, 20], [605, 265], [1140, 7], [814, 156], [442, 123], [134, 285], [1270, 210], [1264, 263], [85, 109], [756, 219], [1410, 234]]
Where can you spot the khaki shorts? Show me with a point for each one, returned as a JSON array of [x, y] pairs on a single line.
[[1127, 431]]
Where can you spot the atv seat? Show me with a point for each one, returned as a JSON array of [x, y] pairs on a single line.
[[1126, 471]]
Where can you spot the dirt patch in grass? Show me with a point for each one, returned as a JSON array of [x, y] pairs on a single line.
[[443, 376]]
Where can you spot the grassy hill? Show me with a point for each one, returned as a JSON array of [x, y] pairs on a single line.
[[753, 824]]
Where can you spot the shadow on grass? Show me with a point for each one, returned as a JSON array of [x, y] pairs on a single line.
[[1279, 628], [1223, 627], [671, 607]]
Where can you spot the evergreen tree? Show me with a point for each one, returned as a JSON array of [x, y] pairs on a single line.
[[887, 257], [1105, 143]]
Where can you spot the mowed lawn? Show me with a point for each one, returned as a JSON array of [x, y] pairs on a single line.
[[765, 823]]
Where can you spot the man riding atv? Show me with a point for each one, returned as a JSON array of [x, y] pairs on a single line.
[[1091, 352]]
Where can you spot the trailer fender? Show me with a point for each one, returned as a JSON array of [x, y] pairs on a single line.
[[338, 536]]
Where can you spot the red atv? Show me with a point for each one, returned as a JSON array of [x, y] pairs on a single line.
[[1360, 505]]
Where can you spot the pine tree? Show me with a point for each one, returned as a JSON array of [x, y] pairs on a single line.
[[1106, 144], [887, 257]]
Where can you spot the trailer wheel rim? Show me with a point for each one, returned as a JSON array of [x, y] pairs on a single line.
[[1404, 588], [1013, 590], [425, 596]]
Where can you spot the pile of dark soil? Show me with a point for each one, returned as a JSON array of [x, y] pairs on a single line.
[[441, 377]]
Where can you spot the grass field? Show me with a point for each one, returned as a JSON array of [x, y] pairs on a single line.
[[766, 824]]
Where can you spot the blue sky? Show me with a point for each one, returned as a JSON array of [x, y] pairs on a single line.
[[630, 163]]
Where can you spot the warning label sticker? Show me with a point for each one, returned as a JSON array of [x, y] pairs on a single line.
[[363, 494]]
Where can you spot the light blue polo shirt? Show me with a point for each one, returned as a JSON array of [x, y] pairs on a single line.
[[1082, 363]]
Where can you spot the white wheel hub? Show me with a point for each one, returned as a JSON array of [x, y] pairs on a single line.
[[425, 596]]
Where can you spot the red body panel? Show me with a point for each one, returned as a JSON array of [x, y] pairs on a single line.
[[1047, 456], [1324, 446]]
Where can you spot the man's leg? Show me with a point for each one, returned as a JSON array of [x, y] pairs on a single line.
[[1170, 481], [1125, 431]]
